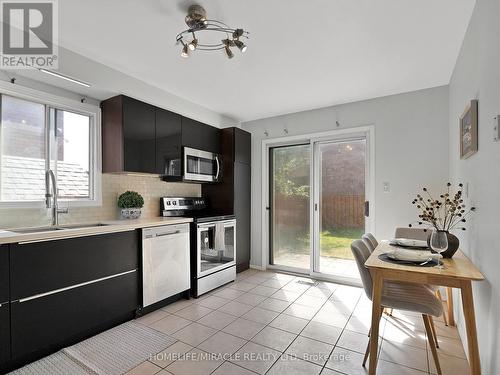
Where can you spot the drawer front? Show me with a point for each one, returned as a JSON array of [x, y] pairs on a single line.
[[42, 267], [46, 324]]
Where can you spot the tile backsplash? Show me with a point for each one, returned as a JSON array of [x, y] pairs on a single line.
[[149, 186]]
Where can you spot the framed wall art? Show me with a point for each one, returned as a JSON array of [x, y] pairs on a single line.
[[468, 130]]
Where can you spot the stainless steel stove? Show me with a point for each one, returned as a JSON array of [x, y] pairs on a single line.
[[213, 242]]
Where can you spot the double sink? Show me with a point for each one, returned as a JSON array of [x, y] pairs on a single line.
[[54, 228]]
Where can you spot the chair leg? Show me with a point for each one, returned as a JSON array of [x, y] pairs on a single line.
[[434, 334], [367, 351], [440, 297], [432, 342]]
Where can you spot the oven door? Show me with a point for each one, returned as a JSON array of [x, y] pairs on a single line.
[[201, 165], [216, 246]]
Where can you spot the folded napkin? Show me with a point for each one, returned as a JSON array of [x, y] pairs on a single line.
[[408, 242], [412, 255]]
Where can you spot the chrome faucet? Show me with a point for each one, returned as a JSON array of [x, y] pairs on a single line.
[[50, 177]]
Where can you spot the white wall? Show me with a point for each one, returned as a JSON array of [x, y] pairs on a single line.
[[411, 150], [477, 76]]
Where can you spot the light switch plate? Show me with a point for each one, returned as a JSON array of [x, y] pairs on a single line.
[[386, 186], [496, 129]]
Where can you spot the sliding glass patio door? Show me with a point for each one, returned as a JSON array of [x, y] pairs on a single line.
[[318, 205]]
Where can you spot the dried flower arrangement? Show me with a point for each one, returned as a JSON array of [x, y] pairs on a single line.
[[445, 213]]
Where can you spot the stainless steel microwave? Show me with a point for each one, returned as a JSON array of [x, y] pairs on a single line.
[[202, 166]]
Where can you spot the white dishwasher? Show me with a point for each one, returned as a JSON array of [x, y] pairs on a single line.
[[165, 262]]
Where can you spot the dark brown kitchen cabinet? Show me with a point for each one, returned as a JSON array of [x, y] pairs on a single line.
[[168, 143], [128, 136], [232, 195], [200, 136]]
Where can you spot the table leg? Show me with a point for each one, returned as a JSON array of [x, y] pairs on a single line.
[[470, 325], [449, 303], [378, 283]]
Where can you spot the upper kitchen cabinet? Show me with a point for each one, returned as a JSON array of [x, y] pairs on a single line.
[[128, 135], [200, 136], [168, 143]]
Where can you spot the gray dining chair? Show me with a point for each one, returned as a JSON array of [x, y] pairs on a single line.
[[412, 233], [370, 241], [422, 235], [401, 296]]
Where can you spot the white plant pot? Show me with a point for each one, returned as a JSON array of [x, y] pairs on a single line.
[[130, 213]]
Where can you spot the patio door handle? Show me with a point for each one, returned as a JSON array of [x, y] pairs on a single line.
[[367, 208]]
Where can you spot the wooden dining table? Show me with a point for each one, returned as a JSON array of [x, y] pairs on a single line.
[[458, 272]]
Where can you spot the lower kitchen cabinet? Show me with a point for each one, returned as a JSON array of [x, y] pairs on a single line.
[[4, 335], [47, 323]]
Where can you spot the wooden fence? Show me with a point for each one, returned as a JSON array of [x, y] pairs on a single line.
[[338, 211]]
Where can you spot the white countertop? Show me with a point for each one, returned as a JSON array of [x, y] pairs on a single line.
[[113, 226]]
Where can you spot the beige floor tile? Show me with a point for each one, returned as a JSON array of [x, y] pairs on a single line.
[[217, 319], [256, 357], [296, 287], [152, 317], [193, 312], [316, 291], [145, 368], [170, 324], [195, 362], [194, 334], [446, 331], [338, 307], [274, 338], [229, 293], [229, 368], [403, 335], [347, 362], [222, 343], [264, 290], [236, 308], [275, 283], [289, 323], [450, 365], [286, 295], [274, 304], [404, 355], [212, 302], [327, 371], [333, 319], [311, 301], [260, 315], [293, 366], [322, 332], [243, 328], [178, 305], [310, 350], [355, 341], [163, 372], [384, 367], [301, 311], [256, 279], [242, 286], [362, 325], [170, 354], [327, 285], [450, 346], [250, 299], [283, 276]]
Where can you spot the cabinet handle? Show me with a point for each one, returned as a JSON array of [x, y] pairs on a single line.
[[36, 296], [218, 167]]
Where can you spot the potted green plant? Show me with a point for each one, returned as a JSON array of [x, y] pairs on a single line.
[[130, 204], [443, 214]]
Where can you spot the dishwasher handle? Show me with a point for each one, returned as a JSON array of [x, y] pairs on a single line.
[[168, 234], [162, 231]]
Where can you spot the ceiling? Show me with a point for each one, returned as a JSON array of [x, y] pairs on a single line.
[[301, 55]]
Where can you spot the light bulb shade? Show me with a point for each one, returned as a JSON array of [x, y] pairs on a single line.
[[242, 46], [229, 53], [185, 51], [194, 43]]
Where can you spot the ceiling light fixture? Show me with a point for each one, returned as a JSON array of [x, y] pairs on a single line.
[[59, 75], [197, 21]]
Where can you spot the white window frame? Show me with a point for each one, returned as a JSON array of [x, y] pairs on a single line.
[[95, 163]]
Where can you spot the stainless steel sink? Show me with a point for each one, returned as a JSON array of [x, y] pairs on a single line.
[[78, 226], [36, 230], [54, 228]]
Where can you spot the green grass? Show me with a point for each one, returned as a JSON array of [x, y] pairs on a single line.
[[334, 243]]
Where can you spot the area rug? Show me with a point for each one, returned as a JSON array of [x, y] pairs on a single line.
[[55, 364], [119, 349]]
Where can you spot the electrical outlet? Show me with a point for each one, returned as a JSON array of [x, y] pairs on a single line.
[[496, 128], [386, 186]]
